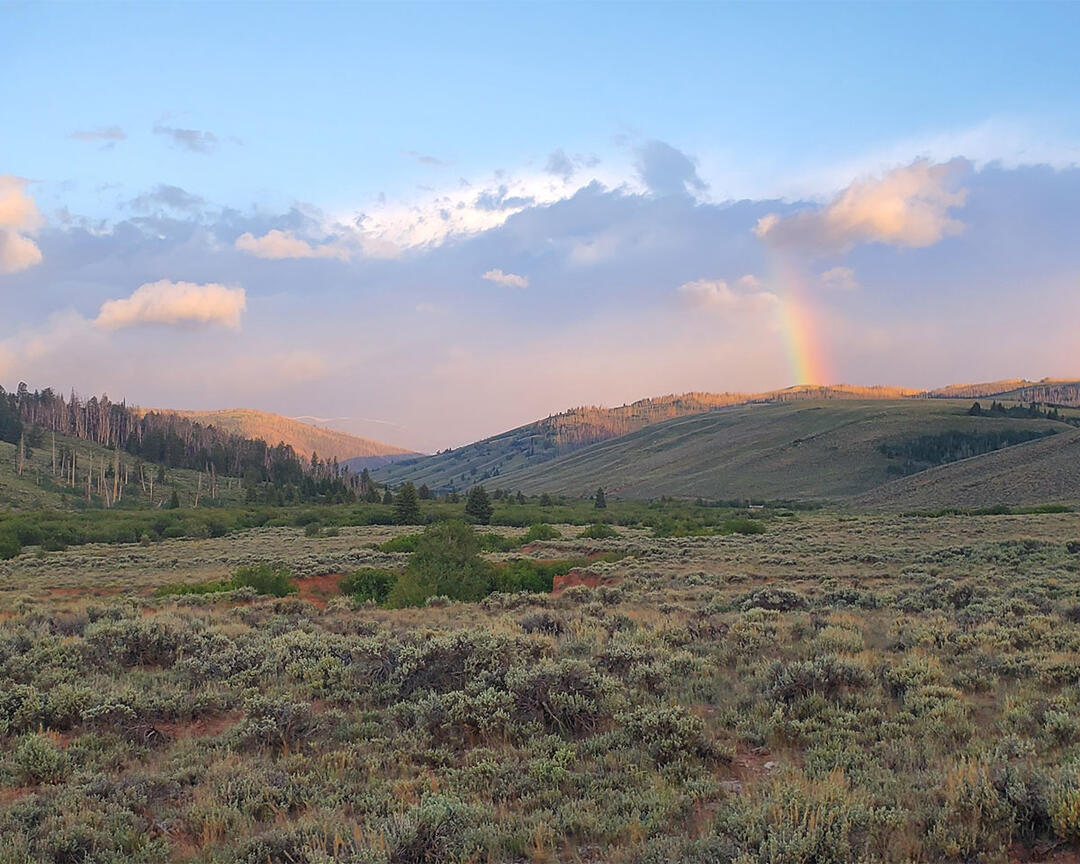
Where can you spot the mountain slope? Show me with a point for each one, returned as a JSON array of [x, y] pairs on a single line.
[[1039, 472], [304, 438], [824, 449], [543, 440]]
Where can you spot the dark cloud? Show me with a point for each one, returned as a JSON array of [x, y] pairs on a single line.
[[667, 171], [194, 140]]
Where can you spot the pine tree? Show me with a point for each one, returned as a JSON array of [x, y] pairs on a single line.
[[388, 498], [407, 506], [600, 502], [174, 502], [478, 505]]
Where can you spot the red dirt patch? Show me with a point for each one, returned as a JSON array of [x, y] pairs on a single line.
[[318, 589], [11, 794], [578, 577]]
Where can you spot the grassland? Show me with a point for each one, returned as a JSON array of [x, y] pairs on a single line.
[[839, 688], [806, 450]]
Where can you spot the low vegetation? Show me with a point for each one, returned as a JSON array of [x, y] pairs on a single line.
[[838, 688]]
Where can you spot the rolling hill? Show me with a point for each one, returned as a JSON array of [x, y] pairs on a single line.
[[800, 451], [496, 459], [304, 438]]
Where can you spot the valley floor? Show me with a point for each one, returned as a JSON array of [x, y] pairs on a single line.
[[840, 688]]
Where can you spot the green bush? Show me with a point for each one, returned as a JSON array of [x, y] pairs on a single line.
[[9, 545], [39, 760], [445, 563], [262, 578], [541, 531], [599, 531], [405, 543], [368, 583]]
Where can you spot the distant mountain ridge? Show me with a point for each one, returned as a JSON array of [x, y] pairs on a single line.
[[304, 438], [561, 434]]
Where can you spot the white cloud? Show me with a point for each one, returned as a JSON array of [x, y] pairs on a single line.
[[507, 280], [839, 279], [19, 219], [718, 294], [276, 244], [166, 302], [908, 206], [285, 244]]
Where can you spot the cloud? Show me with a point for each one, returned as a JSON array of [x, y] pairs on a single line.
[[667, 171], [718, 294], [194, 140], [277, 244], [19, 219], [507, 280], [165, 302], [102, 133], [839, 279], [164, 195], [559, 164], [908, 206], [425, 159]]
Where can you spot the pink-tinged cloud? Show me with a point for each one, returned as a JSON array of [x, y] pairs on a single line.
[[166, 302], [717, 294], [909, 206], [277, 244], [19, 220], [507, 280]]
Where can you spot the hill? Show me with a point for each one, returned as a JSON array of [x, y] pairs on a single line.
[[542, 441], [304, 438], [796, 450], [41, 486], [1039, 472]]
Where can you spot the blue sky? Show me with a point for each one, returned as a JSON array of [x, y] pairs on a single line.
[[462, 183]]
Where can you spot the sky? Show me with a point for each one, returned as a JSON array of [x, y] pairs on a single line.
[[429, 223]]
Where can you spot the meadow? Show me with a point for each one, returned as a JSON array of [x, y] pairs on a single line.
[[840, 687]]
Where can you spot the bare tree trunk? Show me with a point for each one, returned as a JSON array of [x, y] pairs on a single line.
[[54, 453], [198, 490], [20, 455], [116, 473]]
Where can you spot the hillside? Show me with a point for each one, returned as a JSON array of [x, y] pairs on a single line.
[[1048, 391], [542, 441], [39, 487], [304, 438], [816, 450], [1039, 472]]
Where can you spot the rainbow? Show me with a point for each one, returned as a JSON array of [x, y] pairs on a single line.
[[801, 329]]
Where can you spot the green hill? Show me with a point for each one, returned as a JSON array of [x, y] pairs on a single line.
[[1039, 472], [802, 450], [40, 487]]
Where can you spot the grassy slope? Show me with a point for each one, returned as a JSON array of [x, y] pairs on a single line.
[[37, 488], [803, 450], [543, 440], [304, 438], [1038, 472]]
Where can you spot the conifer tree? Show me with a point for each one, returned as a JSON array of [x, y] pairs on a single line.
[[478, 505], [407, 506]]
